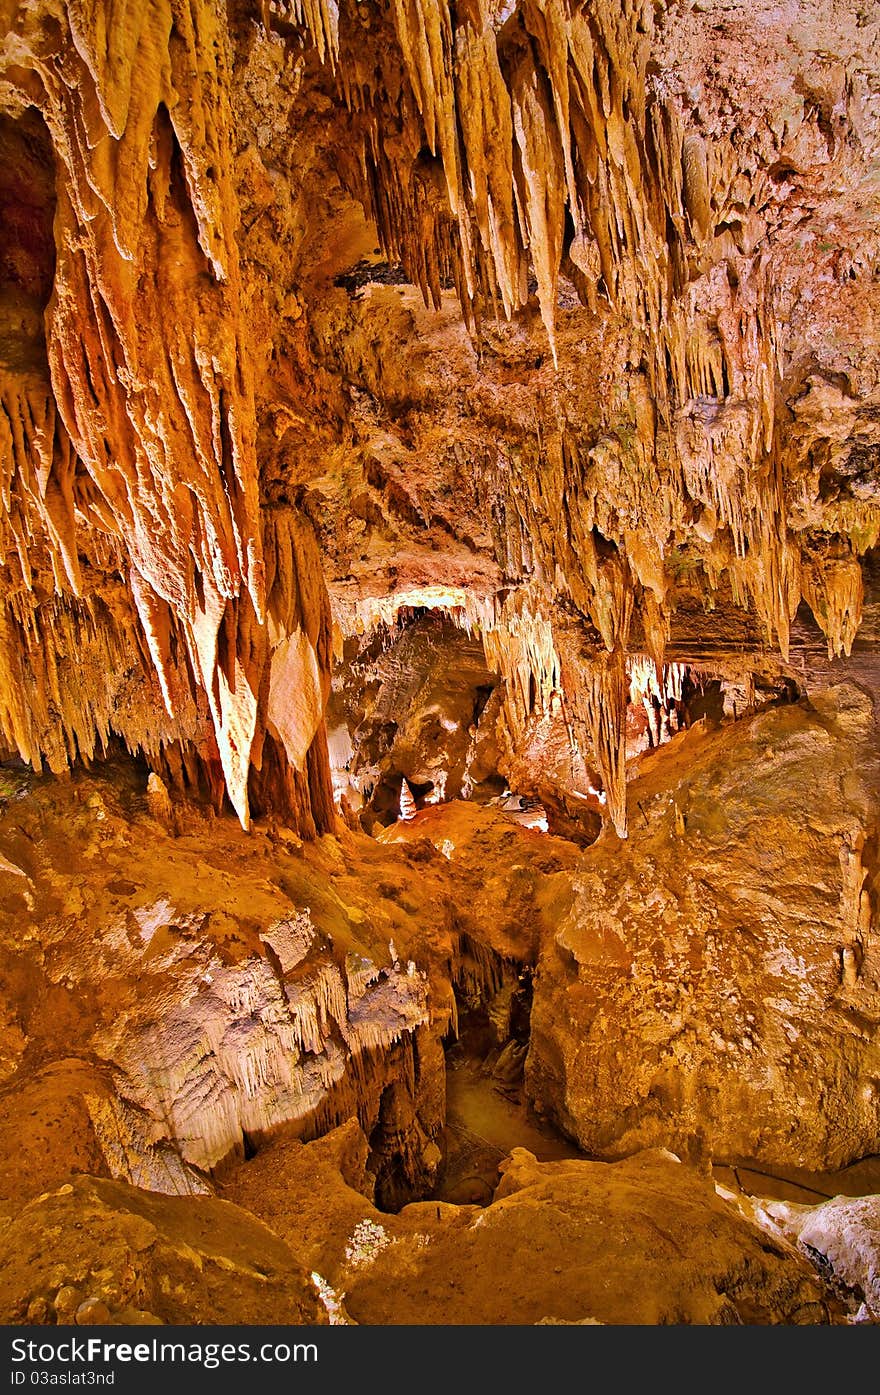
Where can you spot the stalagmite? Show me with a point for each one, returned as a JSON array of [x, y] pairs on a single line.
[[159, 800], [407, 802]]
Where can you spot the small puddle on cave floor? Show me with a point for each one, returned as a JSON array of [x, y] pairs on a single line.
[[487, 1116], [484, 1122]]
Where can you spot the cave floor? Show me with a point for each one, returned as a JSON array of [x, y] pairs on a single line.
[[484, 1122]]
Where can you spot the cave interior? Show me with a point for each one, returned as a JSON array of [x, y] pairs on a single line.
[[439, 662]]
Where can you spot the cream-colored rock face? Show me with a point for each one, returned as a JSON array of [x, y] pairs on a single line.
[[844, 1234], [222, 987]]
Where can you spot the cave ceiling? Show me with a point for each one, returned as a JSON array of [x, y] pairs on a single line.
[[560, 320]]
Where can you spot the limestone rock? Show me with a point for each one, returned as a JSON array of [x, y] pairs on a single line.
[[104, 1252], [695, 993], [842, 1236], [641, 1241], [520, 362], [641, 243]]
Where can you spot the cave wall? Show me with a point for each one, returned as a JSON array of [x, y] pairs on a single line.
[[516, 367]]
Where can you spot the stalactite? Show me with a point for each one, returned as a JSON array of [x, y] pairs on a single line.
[[606, 692], [519, 645], [57, 704], [540, 186], [292, 1039], [659, 689], [487, 135], [149, 361], [479, 971], [37, 467], [481, 144], [656, 622], [834, 590], [596, 686], [554, 115]]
